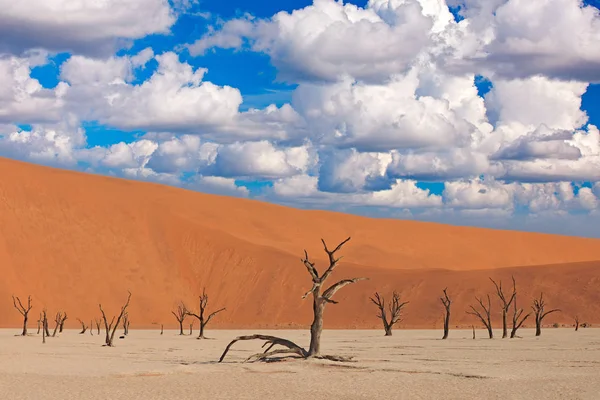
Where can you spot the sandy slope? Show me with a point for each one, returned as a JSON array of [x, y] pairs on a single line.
[[73, 240], [415, 364]]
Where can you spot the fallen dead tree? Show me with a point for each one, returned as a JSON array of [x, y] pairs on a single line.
[[320, 299]]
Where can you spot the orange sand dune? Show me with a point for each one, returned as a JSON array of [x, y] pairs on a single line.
[[72, 240]]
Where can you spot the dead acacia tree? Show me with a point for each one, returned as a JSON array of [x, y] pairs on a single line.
[[538, 309], [111, 335], [39, 323], [180, 314], [487, 320], [576, 323], [44, 324], [505, 303], [395, 308], [446, 302], [62, 322], [320, 299], [517, 321], [126, 324], [24, 311], [97, 322], [83, 327], [59, 320], [200, 316]]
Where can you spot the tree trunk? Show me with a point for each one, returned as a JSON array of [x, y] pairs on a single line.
[[317, 326], [201, 334], [181, 327], [388, 330], [504, 327], [538, 328], [446, 324], [513, 333], [25, 325], [490, 331]]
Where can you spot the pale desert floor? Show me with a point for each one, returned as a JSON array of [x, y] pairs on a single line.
[[412, 364]]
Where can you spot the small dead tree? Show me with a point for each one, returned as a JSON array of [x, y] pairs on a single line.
[[576, 323], [39, 323], [180, 314], [320, 299], [126, 324], [97, 322], [24, 311], [505, 303], [62, 322], [44, 324], [487, 321], [191, 329], [517, 321], [538, 309], [59, 320], [200, 316], [91, 328], [45, 327], [161, 329], [446, 302], [83, 327], [473, 326], [395, 308], [111, 335]]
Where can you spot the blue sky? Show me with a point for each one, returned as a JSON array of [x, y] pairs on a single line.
[[392, 111]]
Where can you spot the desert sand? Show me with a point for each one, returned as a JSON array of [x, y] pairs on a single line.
[[412, 364], [74, 240]]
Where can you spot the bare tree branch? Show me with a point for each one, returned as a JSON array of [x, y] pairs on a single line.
[[24, 311], [487, 311], [538, 309], [200, 316], [111, 335], [395, 308], [447, 303], [319, 302], [505, 303]]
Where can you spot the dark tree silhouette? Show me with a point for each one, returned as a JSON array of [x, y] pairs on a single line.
[[486, 310], [538, 309], [126, 324], [180, 313], [59, 320], [83, 327], [517, 320], [62, 322], [576, 323], [505, 304], [204, 320], [320, 299], [24, 311], [39, 323], [395, 308], [97, 322], [111, 335], [447, 303], [44, 326]]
